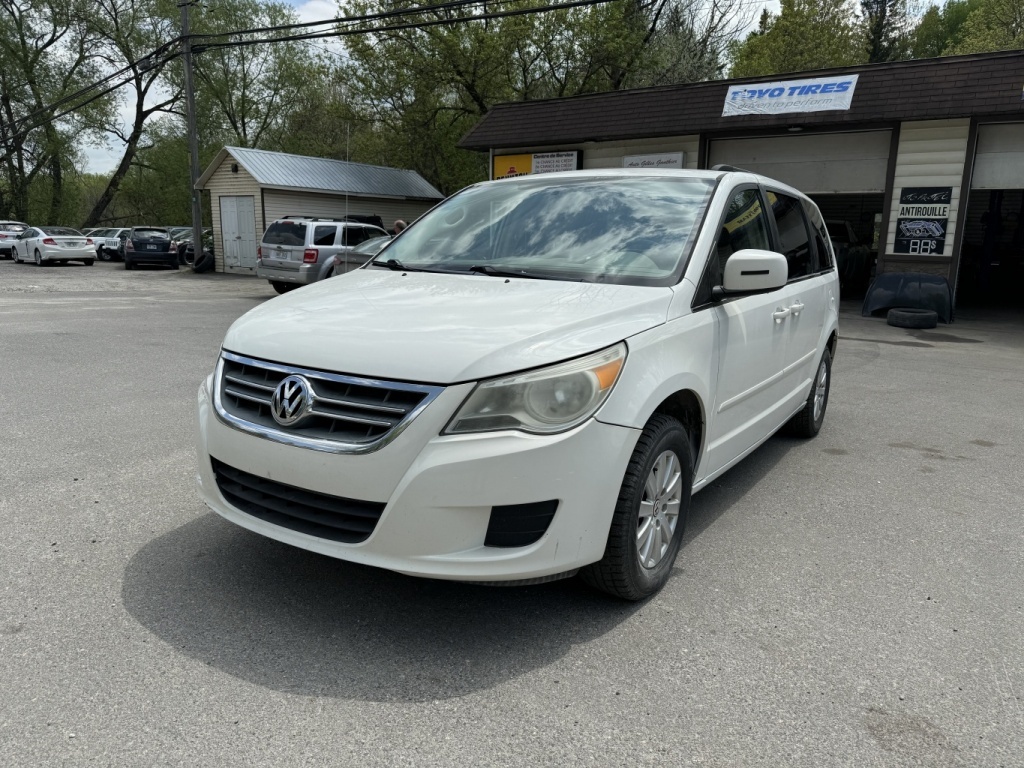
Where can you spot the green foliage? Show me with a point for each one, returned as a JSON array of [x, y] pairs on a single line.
[[807, 34], [995, 25], [940, 30]]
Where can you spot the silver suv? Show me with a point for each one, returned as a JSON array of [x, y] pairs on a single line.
[[297, 251]]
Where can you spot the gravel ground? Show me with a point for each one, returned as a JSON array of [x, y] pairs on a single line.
[[854, 600]]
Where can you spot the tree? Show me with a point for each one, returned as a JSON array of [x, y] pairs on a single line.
[[807, 34], [46, 57], [251, 88], [419, 90], [886, 29], [131, 30], [995, 25], [940, 30]]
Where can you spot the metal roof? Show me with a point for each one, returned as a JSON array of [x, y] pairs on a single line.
[[280, 170]]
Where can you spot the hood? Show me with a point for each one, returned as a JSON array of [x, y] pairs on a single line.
[[442, 329]]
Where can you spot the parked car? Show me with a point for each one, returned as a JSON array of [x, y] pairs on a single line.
[[529, 384], [177, 233], [48, 245], [9, 231], [150, 245], [298, 251], [353, 259], [110, 247]]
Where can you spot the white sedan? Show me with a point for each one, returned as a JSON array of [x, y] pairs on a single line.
[[45, 245]]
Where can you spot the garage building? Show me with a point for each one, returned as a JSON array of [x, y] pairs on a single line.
[[919, 163], [250, 188]]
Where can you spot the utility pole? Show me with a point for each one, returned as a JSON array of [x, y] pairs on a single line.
[[193, 137]]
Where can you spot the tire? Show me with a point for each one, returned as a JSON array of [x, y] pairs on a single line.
[[173, 266], [39, 259], [907, 317], [14, 255], [204, 263], [280, 287], [663, 449], [127, 264], [104, 254], [808, 422], [88, 262]]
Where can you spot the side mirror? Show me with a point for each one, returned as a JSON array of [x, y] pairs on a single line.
[[753, 271]]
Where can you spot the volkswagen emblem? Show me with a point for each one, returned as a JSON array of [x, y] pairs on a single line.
[[292, 400]]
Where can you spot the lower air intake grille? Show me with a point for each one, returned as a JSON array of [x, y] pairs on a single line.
[[518, 525], [316, 514]]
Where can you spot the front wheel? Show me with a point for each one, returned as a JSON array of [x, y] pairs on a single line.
[[650, 515], [14, 255], [807, 423], [104, 254]]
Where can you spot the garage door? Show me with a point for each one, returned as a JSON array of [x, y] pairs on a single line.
[[816, 164], [999, 159]]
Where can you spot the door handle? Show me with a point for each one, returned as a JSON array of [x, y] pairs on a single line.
[[780, 314], [795, 308]]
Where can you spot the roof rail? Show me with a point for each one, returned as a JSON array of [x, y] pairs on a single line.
[[732, 168]]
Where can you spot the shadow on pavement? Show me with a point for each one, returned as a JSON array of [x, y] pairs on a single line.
[[294, 621]]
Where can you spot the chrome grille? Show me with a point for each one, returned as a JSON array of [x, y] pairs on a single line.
[[348, 414]]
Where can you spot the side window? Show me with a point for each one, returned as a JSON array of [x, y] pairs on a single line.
[[324, 235], [745, 226], [354, 235], [794, 241], [822, 242]]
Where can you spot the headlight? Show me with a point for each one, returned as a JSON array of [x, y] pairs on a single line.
[[544, 401]]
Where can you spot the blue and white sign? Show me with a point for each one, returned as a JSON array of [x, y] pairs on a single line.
[[819, 94]]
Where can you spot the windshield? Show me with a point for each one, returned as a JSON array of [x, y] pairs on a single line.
[[631, 230]]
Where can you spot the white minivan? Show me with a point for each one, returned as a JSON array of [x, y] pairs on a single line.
[[531, 380]]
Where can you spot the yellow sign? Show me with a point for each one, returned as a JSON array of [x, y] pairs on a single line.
[[506, 166]]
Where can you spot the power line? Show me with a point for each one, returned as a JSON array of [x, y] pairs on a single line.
[[409, 25], [23, 132]]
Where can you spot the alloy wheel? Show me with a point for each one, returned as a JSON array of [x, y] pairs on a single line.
[[659, 510]]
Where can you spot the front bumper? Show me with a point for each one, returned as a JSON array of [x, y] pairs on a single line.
[[304, 275], [439, 490]]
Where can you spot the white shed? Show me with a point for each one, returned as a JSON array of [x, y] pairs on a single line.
[[250, 188]]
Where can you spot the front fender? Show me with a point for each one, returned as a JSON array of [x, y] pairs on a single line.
[[677, 356]]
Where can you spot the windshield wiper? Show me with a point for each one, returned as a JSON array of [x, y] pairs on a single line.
[[396, 266], [485, 269]]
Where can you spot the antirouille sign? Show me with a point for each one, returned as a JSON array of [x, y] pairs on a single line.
[[819, 94], [923, 220]]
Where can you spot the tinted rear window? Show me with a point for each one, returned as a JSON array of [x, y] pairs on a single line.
[[285, 233], [12, 228], [324, 235], [150, 234], [63, 232]]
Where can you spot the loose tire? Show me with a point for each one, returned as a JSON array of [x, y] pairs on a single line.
[[204, 262], [808, 422], [908, 317], [650, 515], [282, 287]]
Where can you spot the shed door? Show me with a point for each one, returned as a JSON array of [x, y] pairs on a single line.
[[238, 229], [815, 164], [999, 159]]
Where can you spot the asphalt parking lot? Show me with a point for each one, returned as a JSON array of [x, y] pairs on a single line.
[[854, 600]]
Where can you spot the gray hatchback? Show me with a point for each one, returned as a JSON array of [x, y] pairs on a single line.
[[298, 251]]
